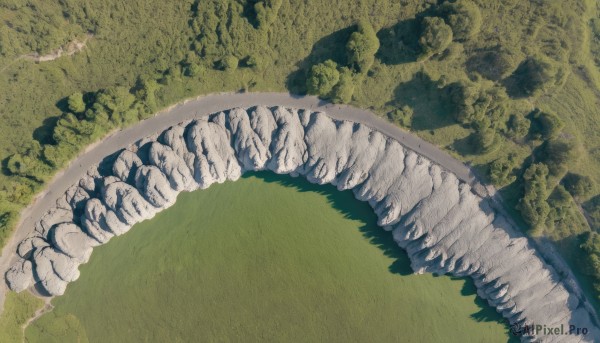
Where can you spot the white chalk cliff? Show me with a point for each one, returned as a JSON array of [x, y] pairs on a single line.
[[436, 218]]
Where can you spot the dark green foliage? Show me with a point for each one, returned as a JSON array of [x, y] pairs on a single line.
[[545, 125], [29, 163], [590, 245], [266, 12], [564, 219], [322, 78], [401, 116], [535, 75], [474, 104], [464, 18], [436, 36], [342, 92], [485, 139], [533, 205], [75, 102], [494, 64], [501, 171], [578, 185], [362, 46], [229, 63], [518, 126], [558, 154]]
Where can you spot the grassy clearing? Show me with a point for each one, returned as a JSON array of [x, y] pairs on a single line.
[[266, 258], [18, 308]]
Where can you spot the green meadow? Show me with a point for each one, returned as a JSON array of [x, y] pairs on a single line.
[[265, 258]]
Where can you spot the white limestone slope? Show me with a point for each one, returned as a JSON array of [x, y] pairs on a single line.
[[436, 218]]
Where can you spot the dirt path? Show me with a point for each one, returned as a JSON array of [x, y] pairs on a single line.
[[69, 49], [42, 311]]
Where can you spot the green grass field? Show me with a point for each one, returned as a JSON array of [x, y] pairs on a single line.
[[266, 258]]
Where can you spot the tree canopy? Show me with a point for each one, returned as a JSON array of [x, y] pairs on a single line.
[[322, 78], [435, 37], [362, 46], [534, 205]]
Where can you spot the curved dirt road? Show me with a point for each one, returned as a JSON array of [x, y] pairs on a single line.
[[195, 108]]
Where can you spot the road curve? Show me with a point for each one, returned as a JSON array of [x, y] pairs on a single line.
[[199, 107]]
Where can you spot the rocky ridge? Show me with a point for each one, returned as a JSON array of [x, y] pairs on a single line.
[[436, 218]]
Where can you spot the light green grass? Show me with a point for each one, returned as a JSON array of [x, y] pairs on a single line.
[[18, 308], [267, 258]]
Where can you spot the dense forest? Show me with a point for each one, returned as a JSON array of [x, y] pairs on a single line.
[[510, 87]]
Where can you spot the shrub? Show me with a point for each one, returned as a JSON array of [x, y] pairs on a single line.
[[578, 185], [362, 46], [401, 116], [501, 170], [342, 92], [322, 78], [435, 37], [518, 126], [228, 63], [533, 205], [590, 263], [266, 12], [463, 17], [557, 154], [75, 103], [535, 75], [545, 125]]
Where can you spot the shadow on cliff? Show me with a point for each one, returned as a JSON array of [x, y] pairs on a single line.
[[350, 208]]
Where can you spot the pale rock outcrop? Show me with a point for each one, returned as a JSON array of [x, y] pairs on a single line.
[[174, 137], [44, 272], [215, 159], [100, 222], [20, 275], [127, 203], [125, 165], [29, 244], [52, 217], [444, 227], [73, 242], [288, 147], [327, 147], [252, 149], [155, 187], [172, 166]]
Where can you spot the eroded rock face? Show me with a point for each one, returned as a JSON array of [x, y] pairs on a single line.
[[443, 226]]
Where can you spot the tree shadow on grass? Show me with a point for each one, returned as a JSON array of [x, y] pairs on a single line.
[[330, 47], [43, 133], [432, 110], [399, 43], [350, 208]]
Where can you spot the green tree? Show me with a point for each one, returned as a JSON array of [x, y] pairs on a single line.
[[535, 75], [557, 154], [545, 125], [518, 126], [435, 37], [322, 78], [501, 171], [343, 90], [578, 185], [590, 246], [229, 63], [485, 138], [464, 17], [401, 116], [534, 205], [362, 46], [76, 103], [266, 12]]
